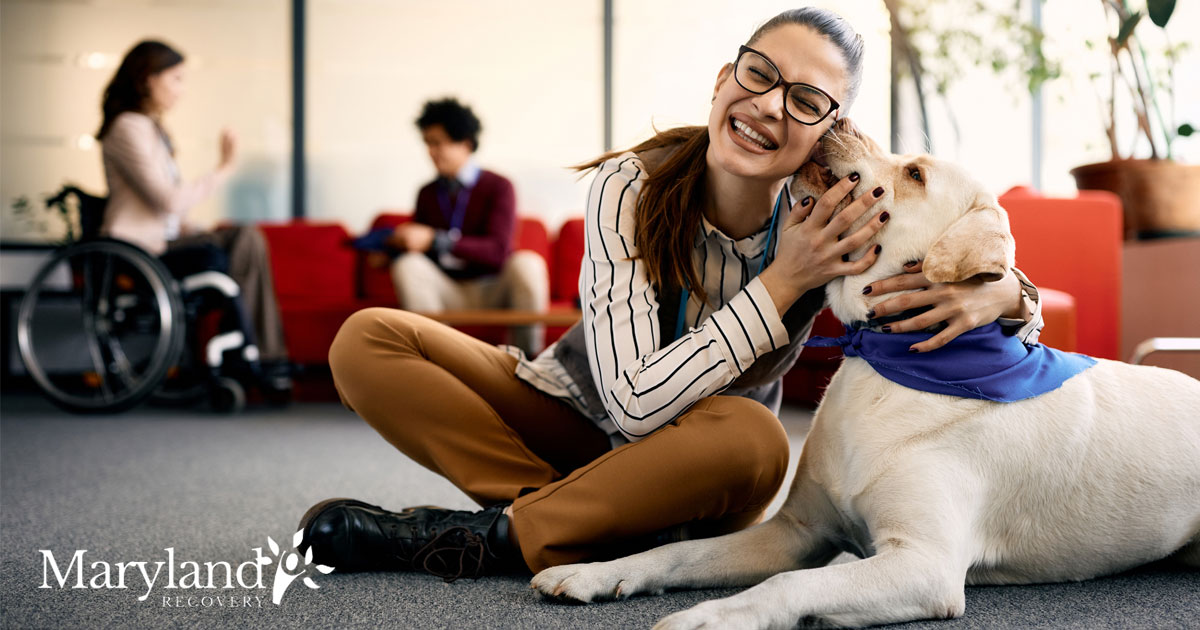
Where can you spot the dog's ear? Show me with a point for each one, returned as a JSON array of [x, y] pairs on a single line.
[[977, 244]]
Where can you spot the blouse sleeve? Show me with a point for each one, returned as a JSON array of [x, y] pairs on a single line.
[[1027, 331], [644, 387], [129, 145]]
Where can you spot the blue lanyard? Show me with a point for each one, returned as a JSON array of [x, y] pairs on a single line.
[[460, 207], [683, 293]]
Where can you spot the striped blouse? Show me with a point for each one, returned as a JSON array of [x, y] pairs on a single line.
[[642, 386]]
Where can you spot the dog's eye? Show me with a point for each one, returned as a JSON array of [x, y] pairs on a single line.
[[914, 173]]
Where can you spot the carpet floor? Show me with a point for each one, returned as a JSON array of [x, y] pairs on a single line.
[[211, 489]]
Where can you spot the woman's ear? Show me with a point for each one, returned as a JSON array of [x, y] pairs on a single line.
[[722, 77]]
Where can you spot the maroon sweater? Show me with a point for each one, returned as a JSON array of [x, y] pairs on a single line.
[[488, 223]]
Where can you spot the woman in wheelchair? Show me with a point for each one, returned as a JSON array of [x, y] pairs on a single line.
[[149, 201]]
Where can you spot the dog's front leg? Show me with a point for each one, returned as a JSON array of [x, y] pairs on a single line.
[[737, 559], [901, 584]]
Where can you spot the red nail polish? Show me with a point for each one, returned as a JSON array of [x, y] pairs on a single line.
[[853, 177], [878, 192], [910, 264], [886, 329], [807, 200], [867, 290], [912, 350], [885, 216], [878, 248], [845, 257]]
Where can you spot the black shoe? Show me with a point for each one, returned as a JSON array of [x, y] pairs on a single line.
[[275, 382], [351, 535]]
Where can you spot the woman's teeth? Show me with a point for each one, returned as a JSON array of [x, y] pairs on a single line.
[[750, 135]]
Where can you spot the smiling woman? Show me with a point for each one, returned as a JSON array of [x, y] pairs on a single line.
[[654, 418]]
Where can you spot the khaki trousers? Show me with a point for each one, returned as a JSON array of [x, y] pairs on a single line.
[[250, 268], [523, 284], [453, 404]]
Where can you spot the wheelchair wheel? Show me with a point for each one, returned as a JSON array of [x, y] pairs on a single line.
[[100, 325], [228, 396]]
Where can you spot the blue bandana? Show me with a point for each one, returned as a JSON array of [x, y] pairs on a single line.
[[983, 363]]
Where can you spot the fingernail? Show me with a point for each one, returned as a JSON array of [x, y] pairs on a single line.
[[845, 257], [867, 290], [871, 314], [807, 200], [878, 192], [910, 264], [853, 177], [886, 329], [878, 248], [914, 350], [885, 216]]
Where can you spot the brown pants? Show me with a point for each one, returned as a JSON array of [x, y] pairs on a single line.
[[453, 404], [250, 267]]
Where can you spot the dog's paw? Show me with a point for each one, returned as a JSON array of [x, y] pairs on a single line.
[[597, 581], [720, 614]]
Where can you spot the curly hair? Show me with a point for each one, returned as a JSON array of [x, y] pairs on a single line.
[[457, 119]]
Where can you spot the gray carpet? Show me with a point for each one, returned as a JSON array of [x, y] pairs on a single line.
[[127, 487]]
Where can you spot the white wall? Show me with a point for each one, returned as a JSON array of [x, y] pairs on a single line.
[[57, 56], [532, 70], [668, 55]]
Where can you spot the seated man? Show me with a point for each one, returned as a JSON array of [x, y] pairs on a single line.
[[457, 251]]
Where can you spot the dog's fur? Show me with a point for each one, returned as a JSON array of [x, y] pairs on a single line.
[[934, 492]]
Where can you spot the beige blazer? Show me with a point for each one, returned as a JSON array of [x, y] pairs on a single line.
[[147, 200]]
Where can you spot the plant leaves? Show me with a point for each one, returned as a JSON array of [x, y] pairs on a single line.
[[1186, 130], [310, 583], [274, 547], [1127, 27], [1160, 11]]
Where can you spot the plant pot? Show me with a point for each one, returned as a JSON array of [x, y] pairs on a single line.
[[1160, 197]]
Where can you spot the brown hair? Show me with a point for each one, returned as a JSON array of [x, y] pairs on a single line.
[[128, 90], [669, 207]]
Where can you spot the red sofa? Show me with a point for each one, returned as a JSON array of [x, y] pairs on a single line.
[[1072, 245], [320, 279]]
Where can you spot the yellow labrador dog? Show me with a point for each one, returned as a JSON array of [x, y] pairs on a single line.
[[935, 491]]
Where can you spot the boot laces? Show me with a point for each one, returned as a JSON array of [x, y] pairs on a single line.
[[454, 553]]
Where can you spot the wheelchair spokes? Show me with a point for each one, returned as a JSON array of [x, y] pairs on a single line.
[[99, 326]]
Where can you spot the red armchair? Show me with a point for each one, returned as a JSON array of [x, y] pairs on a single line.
[[1073, 245]]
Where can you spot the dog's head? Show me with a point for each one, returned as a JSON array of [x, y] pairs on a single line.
[[937, 213]]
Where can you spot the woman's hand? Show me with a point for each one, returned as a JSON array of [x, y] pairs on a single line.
[[963, 305], [811, 248], [229, 144]]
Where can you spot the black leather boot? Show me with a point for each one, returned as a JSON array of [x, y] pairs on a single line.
[[352, 535]]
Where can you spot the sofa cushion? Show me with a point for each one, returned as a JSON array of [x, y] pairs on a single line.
[[310, 260], [568, 256]]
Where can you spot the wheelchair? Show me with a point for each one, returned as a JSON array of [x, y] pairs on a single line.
[[105, 325]]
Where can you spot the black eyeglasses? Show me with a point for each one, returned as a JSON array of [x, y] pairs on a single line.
[[807, 104]]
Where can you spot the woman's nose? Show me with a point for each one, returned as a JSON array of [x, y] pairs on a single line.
[[770, 103]]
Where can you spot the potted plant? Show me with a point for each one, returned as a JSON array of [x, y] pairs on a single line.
[[1161, 196]]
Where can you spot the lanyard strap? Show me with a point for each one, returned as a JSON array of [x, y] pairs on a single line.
[[455, 218], [683, 293]]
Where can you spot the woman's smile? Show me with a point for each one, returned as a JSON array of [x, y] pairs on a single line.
[[751, 136]]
